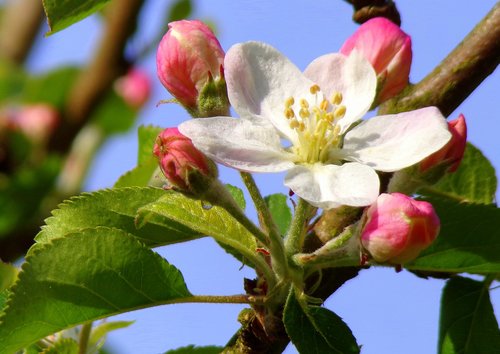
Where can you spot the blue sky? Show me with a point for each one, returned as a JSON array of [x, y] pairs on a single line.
[[388, 312]]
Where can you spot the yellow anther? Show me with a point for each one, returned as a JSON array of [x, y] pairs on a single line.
[[302, 126], [289, 102], [324, 105], [329, 117], [337, 98], [304, 103], [289, 113], [339, 112], [294, 123], [336, 130], [314, 89], [304, 113]]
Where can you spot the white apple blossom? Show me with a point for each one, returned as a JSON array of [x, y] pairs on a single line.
[[330, 160]]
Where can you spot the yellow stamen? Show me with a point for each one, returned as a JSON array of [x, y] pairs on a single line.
[[336, 98], [324, 105], [314, 89], [304, 103], [289, 113], [304, 113], [289, 102], [339, 112]]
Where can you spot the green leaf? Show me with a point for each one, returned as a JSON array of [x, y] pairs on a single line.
[[467, 324], [99, 333], [114, 208], [191, 349], [8, 275], [281, 213], [147, 135], [474, 181], [113, 114], [95, 273], [469, 240], [62, 14], [180, 10], [315, 329], [144, 175], [52, 87], [238, 196], [12, 79], [207, 220], [62, 346]]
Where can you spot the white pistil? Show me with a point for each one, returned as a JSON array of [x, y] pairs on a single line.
[[316, 125]]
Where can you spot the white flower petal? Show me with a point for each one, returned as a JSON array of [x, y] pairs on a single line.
[[259, 80], [330, 186], [238, 143], [353, 76], [390, 143]]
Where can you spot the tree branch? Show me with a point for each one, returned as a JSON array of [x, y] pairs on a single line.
[[18, 28], [107, 65], [368, 9], [450, 83]]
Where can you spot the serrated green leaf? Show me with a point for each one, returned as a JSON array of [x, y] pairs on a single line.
[[144, 175], [113, 114], [92, 274], [467, 324], [191, 349], [469, 240], [147, 135], [51, 87], [62, 346], [314, 329], [8, 275], [62, 14], [474, 181], [114, 208], [179, 10], [280, 211], [238, 195], [207, 220]]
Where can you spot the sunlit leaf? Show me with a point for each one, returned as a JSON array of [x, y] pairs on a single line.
[[191, 349], [280, 211]]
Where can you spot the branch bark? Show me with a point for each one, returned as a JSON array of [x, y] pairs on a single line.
[[458, 75], [18, 28]]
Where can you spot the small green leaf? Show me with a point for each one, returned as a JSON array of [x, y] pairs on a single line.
[[114, 208], [144, 175], [469, 240], [8, 275], [315, 329], [62, 346], [12, 80], [99, 333], [62, 14], [180, 10], [473, 182], [281, 213], [467, 324], [147, 135], [238, 196], [51, 87], [203, 219], [191, 349], [113, 115], [92, 274]]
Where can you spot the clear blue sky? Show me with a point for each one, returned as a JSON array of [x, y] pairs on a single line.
[[388, 312]]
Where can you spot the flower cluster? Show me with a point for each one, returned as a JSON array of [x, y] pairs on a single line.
[[309, 124]]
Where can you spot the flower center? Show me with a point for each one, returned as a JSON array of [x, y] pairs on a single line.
[[316, 125]]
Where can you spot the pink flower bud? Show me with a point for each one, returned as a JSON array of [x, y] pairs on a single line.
[[179, 158], [388, 49], [134, 88], [398, 228], [452, 153], [188, 55], [36, 121]]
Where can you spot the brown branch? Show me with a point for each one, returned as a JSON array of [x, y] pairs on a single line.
[[107, 65], [368, 9], [450, 83], [18, 28]]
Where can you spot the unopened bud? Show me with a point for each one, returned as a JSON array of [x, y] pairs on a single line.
[[388, 49], [184, 166], [189, 58], [134, 88], [452, 153], [398, 228], [37, 121]]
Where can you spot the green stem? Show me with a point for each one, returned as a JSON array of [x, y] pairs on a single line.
[[277, 247], [295, 238], [216, 299], [83, 340]]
